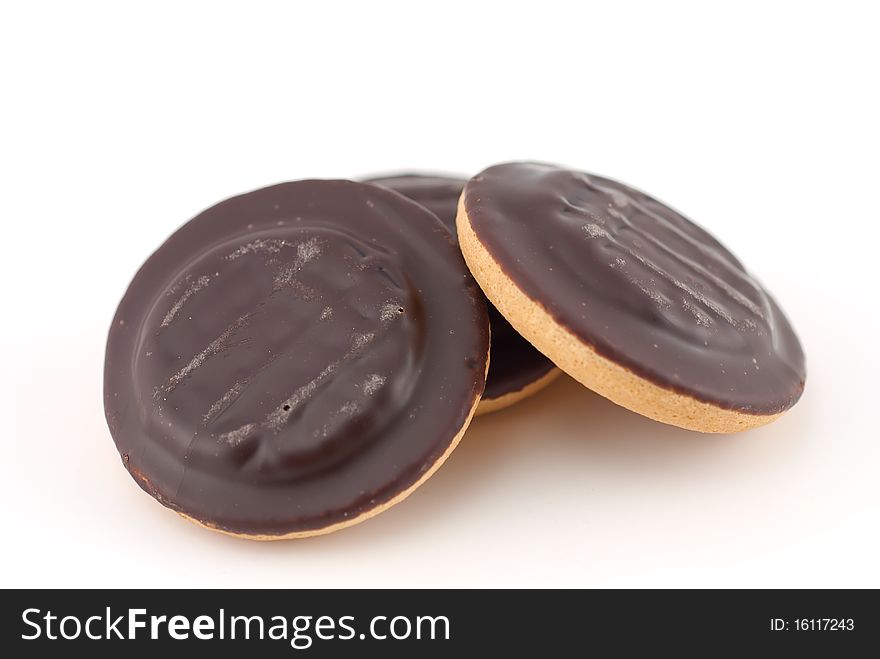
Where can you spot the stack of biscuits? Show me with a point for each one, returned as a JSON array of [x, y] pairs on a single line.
[[299, 358]]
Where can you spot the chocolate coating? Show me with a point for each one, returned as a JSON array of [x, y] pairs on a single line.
[[515, 362], [295, 357], [640, 283]]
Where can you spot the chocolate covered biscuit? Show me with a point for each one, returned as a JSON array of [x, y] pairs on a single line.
[[630, 297], [296, 359]]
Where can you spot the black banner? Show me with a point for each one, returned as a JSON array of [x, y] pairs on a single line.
[[435, 623]]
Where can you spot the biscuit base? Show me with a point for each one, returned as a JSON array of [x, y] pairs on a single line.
[[488, 405], [581, 361]]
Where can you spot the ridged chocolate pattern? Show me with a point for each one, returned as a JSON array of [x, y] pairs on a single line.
[[640, 283], [515, 362], [294, 357]]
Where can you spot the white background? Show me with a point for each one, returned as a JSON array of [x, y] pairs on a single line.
[[761, 123]]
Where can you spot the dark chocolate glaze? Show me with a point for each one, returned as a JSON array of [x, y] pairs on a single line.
[[640, 283], [515, 363], [294, 357]]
